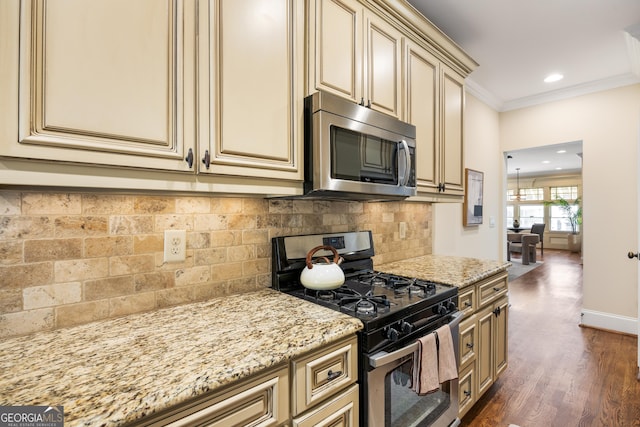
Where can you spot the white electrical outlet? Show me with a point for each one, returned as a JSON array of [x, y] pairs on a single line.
[[175, 245], [403, 230]]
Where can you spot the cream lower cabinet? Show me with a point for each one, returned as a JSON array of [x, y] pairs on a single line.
[[259, 401], [316, 389], [435, 104], [355, 53], [324, 390], [483, 337]]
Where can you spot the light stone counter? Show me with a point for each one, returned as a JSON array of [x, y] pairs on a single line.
[[113, 372], [451, 270]]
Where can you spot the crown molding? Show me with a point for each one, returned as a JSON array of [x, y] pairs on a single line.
[[557, 95]]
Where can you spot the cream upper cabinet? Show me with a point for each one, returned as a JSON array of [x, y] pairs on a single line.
[[251, 88], [422, 74], [356, 54], [452, 104], [383, 66], [105, 82], [335, 47], [435, 103]]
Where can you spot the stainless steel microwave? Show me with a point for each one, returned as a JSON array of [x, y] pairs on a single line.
[[353, 152]]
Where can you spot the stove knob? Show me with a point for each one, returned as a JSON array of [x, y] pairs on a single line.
[[406, 327], [451, 306], [392, 334], [442, 310]]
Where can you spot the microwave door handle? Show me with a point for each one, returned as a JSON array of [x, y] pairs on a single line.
[[407, 162], [382, 358]]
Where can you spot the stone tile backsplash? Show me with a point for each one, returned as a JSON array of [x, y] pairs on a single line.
[[73, 258]]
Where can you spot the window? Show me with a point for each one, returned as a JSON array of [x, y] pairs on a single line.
[[560, 220], [531, 214], [567, 193], [527, 194], [510, 210]]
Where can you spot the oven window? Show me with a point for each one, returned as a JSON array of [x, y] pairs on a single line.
[[404, 407]]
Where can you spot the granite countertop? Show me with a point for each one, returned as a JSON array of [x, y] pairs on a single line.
[[113, 372], [451, 270]]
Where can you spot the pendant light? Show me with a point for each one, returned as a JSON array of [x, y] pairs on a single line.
[[518, 184]]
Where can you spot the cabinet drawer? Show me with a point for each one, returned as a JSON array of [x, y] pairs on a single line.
[[467, 301], [492, 290], [322, 374], [341, 410], [468, 340], [260, 401], [467, 391]]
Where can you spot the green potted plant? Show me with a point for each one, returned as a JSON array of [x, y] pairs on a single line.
[[573, 213]]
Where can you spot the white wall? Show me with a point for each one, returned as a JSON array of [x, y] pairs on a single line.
[[482, 152], [608, 123]]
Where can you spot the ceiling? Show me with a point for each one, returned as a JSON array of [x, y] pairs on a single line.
[[593, 43], [557, 159]]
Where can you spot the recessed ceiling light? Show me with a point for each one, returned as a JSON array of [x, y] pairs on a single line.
[[558, 169], [546, 162], [561, 151], [553, 78]]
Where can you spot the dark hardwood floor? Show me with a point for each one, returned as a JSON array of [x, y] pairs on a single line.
[[560, 374]]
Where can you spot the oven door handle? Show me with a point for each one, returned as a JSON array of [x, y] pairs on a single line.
[[382, 357]]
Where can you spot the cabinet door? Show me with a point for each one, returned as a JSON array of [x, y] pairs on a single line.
[[466, 389], [501, 336], [468, 340], [421, 110], [452, 173], [485, 345], [335, 51], [338, 411], [383, 66], [106, 82], [252, 116]]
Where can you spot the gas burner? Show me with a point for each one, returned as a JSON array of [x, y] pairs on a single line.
[[326, 295], [365, 307], [330, 295], [365, 304]]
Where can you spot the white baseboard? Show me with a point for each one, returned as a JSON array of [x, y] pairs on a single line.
[[612, 322]]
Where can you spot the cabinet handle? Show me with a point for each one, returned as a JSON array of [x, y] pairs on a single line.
[[496, 312], [467, 393], [362, 101], [333, 375], [369, 103], [469, 345], [497, 289], [206, 160], [467, 304], [189, 158]]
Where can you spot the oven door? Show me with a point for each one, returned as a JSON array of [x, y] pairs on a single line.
[[392, 403]]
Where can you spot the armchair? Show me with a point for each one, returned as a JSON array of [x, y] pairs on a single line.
[[539, 230], [524, 243]]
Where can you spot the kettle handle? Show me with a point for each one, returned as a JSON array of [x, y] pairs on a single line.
[[336, 257]]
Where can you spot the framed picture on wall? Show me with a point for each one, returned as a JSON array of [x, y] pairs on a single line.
[[472, 206]]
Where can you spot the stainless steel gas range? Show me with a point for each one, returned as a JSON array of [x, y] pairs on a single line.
[[396, 311]]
